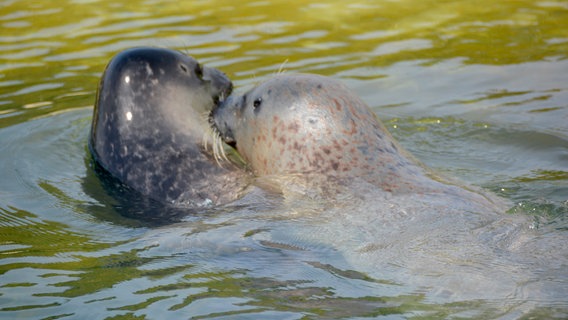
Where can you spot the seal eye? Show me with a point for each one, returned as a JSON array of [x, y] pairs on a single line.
[[257, 102], [198, 71]]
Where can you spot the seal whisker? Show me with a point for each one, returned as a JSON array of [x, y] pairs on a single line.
[[217, 155], [281, 69], [207, 133], [217, 146]]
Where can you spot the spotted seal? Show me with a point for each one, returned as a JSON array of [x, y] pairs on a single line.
[[314, 126], [148, 124]]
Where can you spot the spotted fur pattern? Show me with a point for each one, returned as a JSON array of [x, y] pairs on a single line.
[[310, 124]]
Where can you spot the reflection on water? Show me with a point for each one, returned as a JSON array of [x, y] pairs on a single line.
[[476, 90]]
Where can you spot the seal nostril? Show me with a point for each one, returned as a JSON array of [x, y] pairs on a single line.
[[183, 68], [198, 71]]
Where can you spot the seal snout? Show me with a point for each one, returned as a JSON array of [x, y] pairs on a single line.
[[219, 119], [221, 86]]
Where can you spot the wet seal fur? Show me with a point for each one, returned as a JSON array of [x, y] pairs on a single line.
[[315, 129], [148, 129]]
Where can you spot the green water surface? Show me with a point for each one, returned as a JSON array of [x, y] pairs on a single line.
[[475, 89]]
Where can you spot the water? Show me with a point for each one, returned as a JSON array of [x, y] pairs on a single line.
[[476, 90]]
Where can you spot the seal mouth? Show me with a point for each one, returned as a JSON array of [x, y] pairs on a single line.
[[232, 143], [223, 136]]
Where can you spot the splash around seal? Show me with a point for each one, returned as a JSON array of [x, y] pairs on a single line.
[[148, 128]]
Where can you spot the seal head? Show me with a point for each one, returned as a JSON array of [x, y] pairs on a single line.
[[312, 131], [148, 126], [306, 124]]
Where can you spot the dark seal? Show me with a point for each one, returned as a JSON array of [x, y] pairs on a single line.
[[149, 125]]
